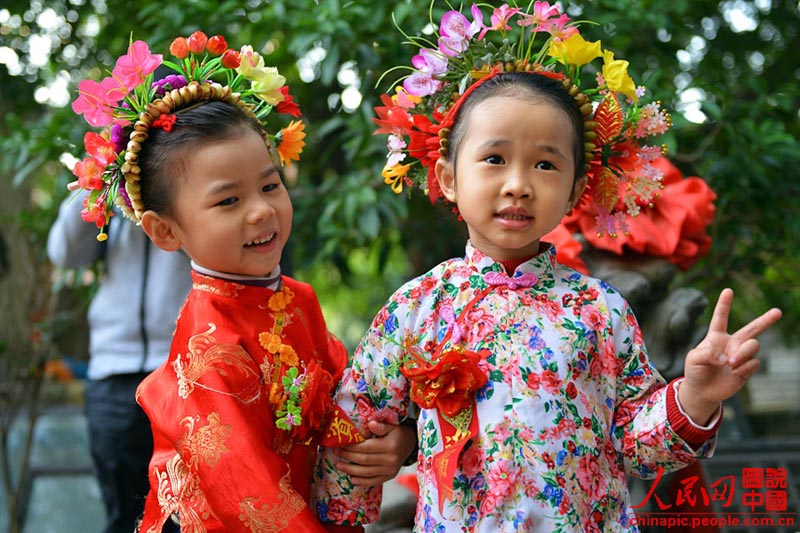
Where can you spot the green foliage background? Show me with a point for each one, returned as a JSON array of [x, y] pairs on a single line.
[[353, 238]]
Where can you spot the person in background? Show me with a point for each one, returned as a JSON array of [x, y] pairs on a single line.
[[131, 320]]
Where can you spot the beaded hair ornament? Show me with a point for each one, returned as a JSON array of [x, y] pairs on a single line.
[[129, 102], [463, 53]]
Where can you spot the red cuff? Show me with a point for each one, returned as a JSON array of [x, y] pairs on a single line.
[[336, 528], [683, 426]]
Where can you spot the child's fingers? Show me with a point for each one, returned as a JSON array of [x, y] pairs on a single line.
[[366, 476], [719, 319], [379, 429], [757, 326], [706, 354], [744, 352], [747, 369], [362, 453]]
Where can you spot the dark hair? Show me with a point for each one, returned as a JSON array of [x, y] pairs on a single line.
[[522, 85], [164, 153]]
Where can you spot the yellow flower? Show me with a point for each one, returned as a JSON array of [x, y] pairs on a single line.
[[290, 142], [266, 82], [615, 72], [394, 176], [575, 50]]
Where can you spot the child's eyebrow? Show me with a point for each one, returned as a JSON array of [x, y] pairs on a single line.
[[496, 143], [222, 186], [553, 150]]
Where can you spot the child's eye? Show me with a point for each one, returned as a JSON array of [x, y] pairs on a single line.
[[545, 165], [494, 160], [228, 201], [270, 187]]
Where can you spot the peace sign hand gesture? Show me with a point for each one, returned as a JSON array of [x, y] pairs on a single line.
[[722, 363]]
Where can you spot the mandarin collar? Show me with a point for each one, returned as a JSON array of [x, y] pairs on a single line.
[[272, 281], [542, 264]]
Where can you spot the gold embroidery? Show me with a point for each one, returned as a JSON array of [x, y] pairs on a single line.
[[460, 422], [179, 492], [206, 355], [207, 444], [271, 517], [229, 290], [340, 427]]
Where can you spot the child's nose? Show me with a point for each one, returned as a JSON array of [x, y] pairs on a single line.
[[517, 184], [260, 210]]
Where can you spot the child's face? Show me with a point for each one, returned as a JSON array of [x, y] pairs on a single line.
[[514, 177], [232, 212]]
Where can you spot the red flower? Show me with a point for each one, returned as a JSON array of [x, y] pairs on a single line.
[[90, 174], [165, 121], [99, 147], [179, 47], [95, 212], [288, 106], [197, 42], [231, 59], [448, 384], [392, 118], [572, 391], [217, 45]]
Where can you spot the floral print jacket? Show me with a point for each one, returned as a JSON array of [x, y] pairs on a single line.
[[568, 407]]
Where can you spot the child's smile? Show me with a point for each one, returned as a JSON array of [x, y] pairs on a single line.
[[233, 213]]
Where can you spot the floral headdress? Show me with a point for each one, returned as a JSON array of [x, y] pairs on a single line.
[[129, 102], [463, 53]]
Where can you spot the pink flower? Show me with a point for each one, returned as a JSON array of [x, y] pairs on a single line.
[[456, 30], [652, 121], [502, 478], [592, 318], [132, 68], [96, 101], [501, 15], [589, 476], [428, 63], [421, 84], [472, 461], [542, 12], [557, 28]]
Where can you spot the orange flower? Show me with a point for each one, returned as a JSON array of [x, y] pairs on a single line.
[[290, 142], [179, 47], [279, 300], [288, 355], [269, 341], [449, 384]]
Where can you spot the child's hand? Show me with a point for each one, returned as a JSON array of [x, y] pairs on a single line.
[[722, 363], [377, 460]]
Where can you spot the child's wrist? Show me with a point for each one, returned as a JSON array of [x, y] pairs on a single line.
[[696, 407]]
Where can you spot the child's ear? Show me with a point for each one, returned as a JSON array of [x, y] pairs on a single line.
[[446, 176], [577, 192], [160, 231]]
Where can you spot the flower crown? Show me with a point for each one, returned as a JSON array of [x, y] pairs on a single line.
[[128, 103], [463, 53]]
